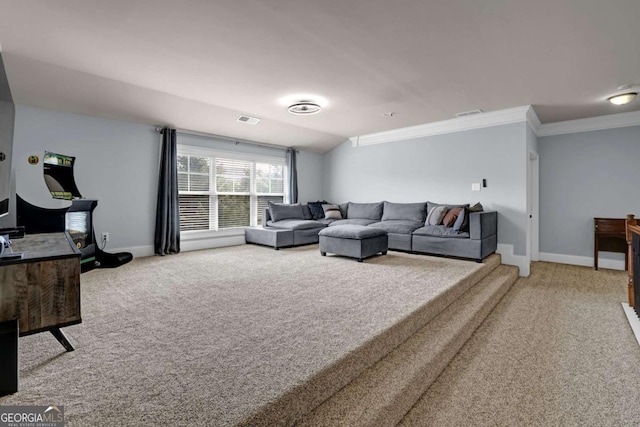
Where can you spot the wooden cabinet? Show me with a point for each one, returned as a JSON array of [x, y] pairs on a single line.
[[609, 236], [42, 289], [633, 258], [635, 252]]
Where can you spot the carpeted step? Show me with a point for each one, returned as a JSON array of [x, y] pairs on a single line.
[[302, 399], [384, 393]]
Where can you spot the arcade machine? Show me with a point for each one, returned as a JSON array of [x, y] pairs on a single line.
[[77, 220]]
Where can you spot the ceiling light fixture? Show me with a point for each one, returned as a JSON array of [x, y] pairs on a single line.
[[623, 98], [303, 108], [626, 94]]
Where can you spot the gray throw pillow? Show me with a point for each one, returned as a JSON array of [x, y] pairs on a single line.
[[462, 223], [280, 211]]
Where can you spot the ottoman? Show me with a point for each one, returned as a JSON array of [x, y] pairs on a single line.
[[274, 237], [354, 241]]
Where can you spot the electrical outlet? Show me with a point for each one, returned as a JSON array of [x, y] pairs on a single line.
[[105, 237]]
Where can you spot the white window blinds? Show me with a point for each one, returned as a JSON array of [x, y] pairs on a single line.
[[216, 192]]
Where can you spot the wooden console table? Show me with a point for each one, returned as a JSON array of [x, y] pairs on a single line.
[[39, 291], [609, 236], [42, 289]]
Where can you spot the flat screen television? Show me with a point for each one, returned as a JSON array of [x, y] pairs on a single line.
[[58, 175]]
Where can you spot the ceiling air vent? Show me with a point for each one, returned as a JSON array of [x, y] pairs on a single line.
[[249, 120], [468, 113]]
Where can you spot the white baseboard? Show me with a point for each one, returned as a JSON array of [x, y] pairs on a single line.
[[633, 320], [520, 261], [612, 264], [185, 245]]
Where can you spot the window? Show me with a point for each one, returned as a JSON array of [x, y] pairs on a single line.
[[218, 191]]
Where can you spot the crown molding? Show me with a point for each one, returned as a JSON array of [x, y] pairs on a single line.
[[476, 121], [533, 120], [610, 121]]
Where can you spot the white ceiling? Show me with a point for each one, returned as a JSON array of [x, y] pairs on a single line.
[[198, 65]]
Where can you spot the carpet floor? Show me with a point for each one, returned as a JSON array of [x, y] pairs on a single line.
[[208, 337], [556, 351]]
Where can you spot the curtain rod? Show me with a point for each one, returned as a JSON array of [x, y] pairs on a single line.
[[227, 139]]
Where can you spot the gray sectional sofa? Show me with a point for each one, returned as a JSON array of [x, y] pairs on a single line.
[[472, 235]]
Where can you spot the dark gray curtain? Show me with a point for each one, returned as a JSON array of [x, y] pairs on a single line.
[[293, 175], [167, 237]]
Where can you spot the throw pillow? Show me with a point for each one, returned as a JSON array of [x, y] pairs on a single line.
[[316, 209], [476, 208], [451, 217], [280, 211], [332, 212], [431, 205], [435, 215], [462, 222]]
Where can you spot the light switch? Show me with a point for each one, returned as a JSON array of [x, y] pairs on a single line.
[[475, 186]]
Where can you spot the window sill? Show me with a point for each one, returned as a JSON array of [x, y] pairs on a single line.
[[211, 234]]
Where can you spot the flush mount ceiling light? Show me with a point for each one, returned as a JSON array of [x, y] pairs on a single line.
[[623, 98], [629, 94], [303, 104], [303, 108]]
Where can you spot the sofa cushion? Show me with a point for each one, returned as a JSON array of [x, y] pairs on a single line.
[[407, 211], [344, 207], [440, 231], [352, 221], [316, 209], [357, 232], [365, 211], [451, 216], [326, 221], [306, 212], [332, 212], [435, 215], [296, 224], [280, 211], [398, 226]]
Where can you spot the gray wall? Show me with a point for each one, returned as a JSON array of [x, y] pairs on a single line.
[[309, 176], [116, 163], [582, 176], [441, 169]]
